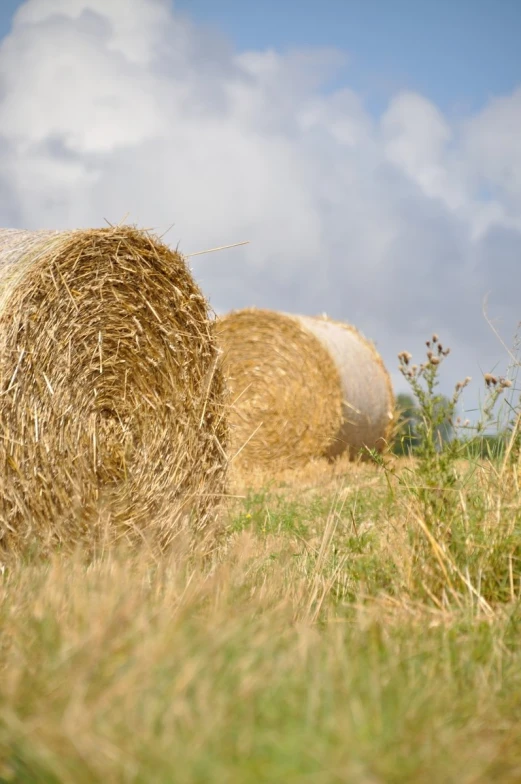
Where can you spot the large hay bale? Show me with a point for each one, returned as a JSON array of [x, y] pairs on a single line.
[[301, 388], [111, 401]]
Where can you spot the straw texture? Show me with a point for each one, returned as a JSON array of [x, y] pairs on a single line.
[[111, 401], [301, 388]]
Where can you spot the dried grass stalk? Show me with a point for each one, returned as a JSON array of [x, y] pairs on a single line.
[[111, 402], [301, 388]]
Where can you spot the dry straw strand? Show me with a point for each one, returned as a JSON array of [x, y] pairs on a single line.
[[213, 250], [111, 400], [301, 387]]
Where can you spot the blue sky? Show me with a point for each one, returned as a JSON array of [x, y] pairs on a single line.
[[456, 52], [7, 9], [394, 204]]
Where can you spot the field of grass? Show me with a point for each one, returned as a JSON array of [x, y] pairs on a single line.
[[359, 624]]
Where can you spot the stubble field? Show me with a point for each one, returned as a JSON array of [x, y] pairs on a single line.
[[357, 624]]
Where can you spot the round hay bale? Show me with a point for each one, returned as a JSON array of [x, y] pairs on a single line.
[[111, 400], [301, 388]]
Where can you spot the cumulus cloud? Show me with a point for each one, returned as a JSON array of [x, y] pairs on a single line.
[[401, 224]]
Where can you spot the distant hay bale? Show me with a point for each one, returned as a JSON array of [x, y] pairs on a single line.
[[111, 401], [301, 388]]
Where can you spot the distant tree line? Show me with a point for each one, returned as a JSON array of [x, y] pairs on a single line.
[[408, 432], [407, 438]]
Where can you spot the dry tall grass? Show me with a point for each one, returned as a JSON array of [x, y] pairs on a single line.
[[329, 640]]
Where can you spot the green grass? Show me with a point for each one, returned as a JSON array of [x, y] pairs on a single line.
[[336, 637]]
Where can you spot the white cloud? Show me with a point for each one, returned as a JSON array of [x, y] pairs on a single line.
[[133, 29], [493, 146], [416, 137], [400, 224]]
